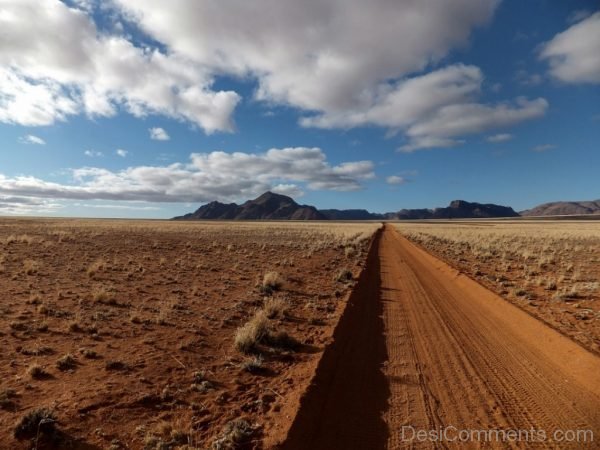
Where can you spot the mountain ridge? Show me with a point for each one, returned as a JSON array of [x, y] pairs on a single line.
[[272, 206], [564, 208]]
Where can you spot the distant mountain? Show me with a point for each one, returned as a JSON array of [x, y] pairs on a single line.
[[350, 214], [268, 206], [564, 209], [458, 209]]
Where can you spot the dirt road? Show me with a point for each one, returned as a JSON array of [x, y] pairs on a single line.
[[422, 347]]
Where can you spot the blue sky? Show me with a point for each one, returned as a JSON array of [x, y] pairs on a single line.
[[108, 109]]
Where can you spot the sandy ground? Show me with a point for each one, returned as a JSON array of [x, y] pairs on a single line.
[[149, 311], [424, 347]]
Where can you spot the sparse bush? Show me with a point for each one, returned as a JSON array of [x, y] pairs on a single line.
[[66, 362], [18, 326], [35, 422], [87, 353], [519, 292], [30, 267], [252, 333], [116, 365], [75, 326], [344, 275], [7, 398], [235, 434], [275, 307], [104, 295], [37, 372], [272, 281], [253, 364], [95, 267], [257, 331]]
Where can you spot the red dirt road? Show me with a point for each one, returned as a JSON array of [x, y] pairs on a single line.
[[422, 346]]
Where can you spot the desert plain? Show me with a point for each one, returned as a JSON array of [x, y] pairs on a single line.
[[119, 334]]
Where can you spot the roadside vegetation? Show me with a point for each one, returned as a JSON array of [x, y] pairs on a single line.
[[552, 269], [167, 323]]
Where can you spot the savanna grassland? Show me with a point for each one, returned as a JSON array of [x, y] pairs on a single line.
[[156, 335], [549, 268]]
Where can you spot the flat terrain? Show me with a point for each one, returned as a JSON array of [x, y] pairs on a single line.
[[163, 335], [126, 330], [424, 346]]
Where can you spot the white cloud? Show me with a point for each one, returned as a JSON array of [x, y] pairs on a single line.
[[117, 206], [31, 139], [497, 138], [435, 109], [15, 205], [208, 176], [32, 104], [337, 61], [573, 55], [395, 180], [323, 56], [93, 154], [122, 153], [291, 190], [441, 128], [158, 134], [543, 148], [68, 66]]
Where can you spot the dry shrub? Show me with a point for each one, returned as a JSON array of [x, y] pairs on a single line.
[[37, 372], [344, 275], [252, 333], [35, 422], [275, 307], [272, 281], [258, 330], [66, 362], [6, 398], [234, 435]]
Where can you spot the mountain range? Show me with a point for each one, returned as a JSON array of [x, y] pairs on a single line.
[[271, 206], [564, 209]]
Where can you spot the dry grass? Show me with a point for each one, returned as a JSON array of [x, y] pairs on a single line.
[[37, 372], [40, 421], [552, 255], [144, 303], [549, 268], [252, 333]]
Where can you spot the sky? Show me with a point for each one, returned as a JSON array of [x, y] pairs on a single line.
[[150, 109]]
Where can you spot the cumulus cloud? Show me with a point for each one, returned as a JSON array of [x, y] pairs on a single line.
[[68, 66], [158, 134], [122, 153], [31, 139], [543, 148], [441, 128], [27, 205], [497, 138], [573, 54], [435, 108], [93, 154], [324, 55], [208, 176], [395, 180], [342, 63]]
